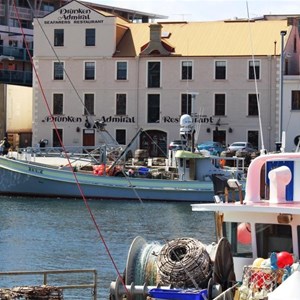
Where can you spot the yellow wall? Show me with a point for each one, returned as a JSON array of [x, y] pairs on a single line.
[[19, 109]]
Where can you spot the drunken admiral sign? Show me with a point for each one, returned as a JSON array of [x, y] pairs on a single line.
[[126, 119], [79, 15]]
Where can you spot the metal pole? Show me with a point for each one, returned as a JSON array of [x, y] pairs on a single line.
[[282, 33]]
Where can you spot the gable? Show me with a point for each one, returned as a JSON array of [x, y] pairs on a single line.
[[74, 13]]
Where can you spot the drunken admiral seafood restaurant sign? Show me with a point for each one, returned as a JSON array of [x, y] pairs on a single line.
[[125, 119], [79, 15]]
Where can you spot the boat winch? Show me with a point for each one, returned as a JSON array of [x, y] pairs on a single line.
[[182, 263]]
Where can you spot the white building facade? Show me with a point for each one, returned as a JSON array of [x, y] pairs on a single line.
[[92, 66]]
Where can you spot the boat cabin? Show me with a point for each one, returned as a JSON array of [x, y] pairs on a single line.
[[268, 220]]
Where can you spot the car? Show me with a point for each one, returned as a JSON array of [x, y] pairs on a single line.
[[178, 145], [214, 148], [242, 146]]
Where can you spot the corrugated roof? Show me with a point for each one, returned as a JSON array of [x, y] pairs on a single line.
[[218, 38]]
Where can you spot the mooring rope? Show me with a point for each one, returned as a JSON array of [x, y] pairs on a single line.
[[145, 267], [101, 236]]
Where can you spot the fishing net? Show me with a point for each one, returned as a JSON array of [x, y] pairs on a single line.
[[258, 282], [32, 292], [184, 263]]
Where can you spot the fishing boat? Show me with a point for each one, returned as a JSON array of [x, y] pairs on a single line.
[[54, 177], [255, 255], [104, 172]]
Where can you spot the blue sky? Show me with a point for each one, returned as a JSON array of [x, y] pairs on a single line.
[[207, 10]]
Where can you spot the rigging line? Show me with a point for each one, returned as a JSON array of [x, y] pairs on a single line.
[[78, 184], [256, 88], [198, 125], [127, 178], [59, 60], [68, 158], [152, 140]]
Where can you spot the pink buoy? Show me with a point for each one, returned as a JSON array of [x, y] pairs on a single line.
[[244, 233]]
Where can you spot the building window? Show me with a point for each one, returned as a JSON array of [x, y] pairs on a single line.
[[219, 104], [121, 70], [55, 139], [252, 105], [47, 7], [186, 70], [254, 69], [90, 37], [89, 70], [295, 100], [230, 231], [89, 104], [153, 74], [220, 70], [153, 108], [58, 104], [58, 71], [13, 43], [121, 104], [121, 136], [253, 138], [58, 37], [186, 104]]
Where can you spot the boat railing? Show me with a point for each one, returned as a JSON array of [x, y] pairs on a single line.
[[75, 281], [228, 294], [96, 154], [235, 163]]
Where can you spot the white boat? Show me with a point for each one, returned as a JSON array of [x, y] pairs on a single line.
[[257, 249]]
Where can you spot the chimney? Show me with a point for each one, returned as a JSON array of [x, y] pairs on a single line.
[[155, 45], [155, 32]]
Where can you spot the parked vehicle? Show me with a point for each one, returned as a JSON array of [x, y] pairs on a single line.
[[242, 146], [214, 148]]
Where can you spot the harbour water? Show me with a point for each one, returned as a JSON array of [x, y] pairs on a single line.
[[47, 234]]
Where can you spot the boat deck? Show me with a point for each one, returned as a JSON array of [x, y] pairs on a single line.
[[288, 207]]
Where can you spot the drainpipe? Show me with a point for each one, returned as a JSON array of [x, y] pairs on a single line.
[[282, 33], [137, 93]]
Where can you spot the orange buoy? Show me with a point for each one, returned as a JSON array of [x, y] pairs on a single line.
[[222, 163]]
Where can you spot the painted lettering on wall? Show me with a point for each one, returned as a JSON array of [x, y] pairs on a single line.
[[119, 119], [125, 119], [62, 119], [74, 16], [72, 119], [195, 118]]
